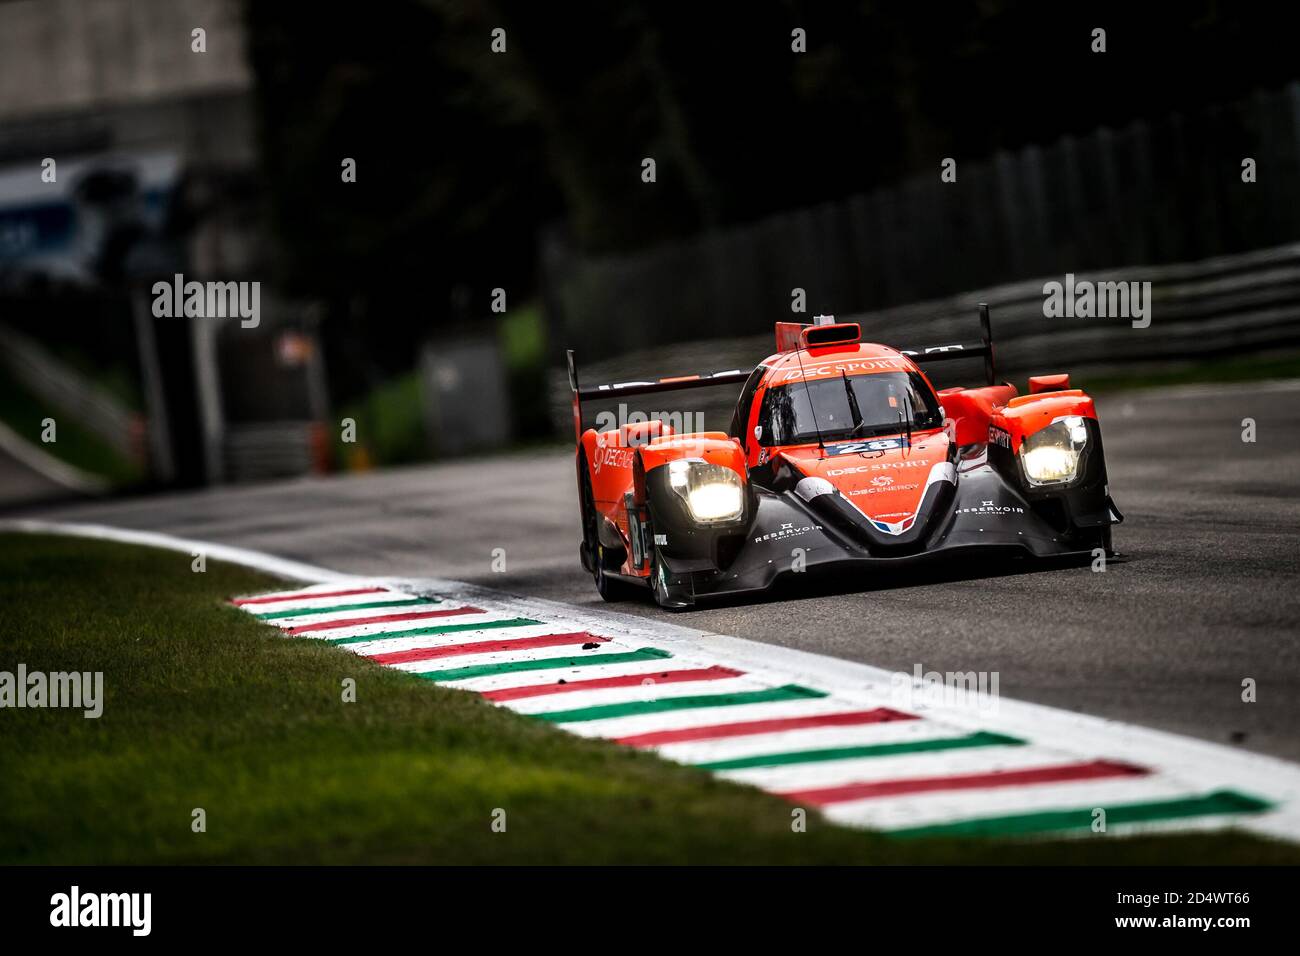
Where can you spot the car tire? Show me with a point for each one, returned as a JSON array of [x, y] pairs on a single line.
[[609, 586]]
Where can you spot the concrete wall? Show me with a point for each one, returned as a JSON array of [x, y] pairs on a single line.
[[68, 55]]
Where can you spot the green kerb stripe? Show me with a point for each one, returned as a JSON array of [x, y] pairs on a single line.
[[1214, 804], [632, 708], [981, 739], [548, 663], [303, 611], [440, 629]]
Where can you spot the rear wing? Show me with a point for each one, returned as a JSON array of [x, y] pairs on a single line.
[[940, 353], [620, 389], [788, 335]]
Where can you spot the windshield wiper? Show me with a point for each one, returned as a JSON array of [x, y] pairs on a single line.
[[854, 410], [862, 429]]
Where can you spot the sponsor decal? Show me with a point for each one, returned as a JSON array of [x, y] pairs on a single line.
[[866, 447], [993, 509], [1000, 437], [892, 527], [614, 456], [932, 349], [940, 471], [788, 529], [878, 466], [616, 386], [848, 368], [887, 487]]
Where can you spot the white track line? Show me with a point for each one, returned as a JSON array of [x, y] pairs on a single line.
[[925, 809], [295, 616], [1181, 766], [637, 692], [903, 766], [46, 465], [814, 738], [388, 645], [388, 626], [648, 668], [280, 567], [305, 601]]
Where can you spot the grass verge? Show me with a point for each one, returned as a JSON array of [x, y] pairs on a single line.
[[207, 708]]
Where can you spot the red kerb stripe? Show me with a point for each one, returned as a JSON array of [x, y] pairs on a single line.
[[276, 598], [485, 647], [1060, 773], [382, 619], [878, 715], [651, 680]]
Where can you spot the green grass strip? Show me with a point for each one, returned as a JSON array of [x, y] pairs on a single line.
[[632, 708], [303, 611], [1214, 804], [549, 663], [440, 629], [981, 739]]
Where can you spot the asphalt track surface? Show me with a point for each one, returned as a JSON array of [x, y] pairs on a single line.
[[1205, 596]]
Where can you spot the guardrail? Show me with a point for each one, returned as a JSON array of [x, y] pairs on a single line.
[[1165, 189], [72, 394], [1224, 306]]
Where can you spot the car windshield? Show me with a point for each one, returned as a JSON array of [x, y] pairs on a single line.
[[847, 406]]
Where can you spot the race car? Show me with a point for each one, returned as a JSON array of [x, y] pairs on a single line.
[[840, 455]]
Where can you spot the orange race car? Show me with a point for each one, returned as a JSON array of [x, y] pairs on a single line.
[[839, 454]]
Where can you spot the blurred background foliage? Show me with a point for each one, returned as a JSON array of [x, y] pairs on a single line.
[[463, 154], [466, 157]]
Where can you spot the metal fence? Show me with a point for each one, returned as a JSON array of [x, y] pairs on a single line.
[[72, 393], [1227, 305], [1223, 306], [1153, 192]]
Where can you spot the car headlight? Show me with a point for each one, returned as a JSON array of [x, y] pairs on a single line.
[[1051, 456], [713, 494]]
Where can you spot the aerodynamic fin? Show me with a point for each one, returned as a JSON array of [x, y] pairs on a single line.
[[958, 350], [620, 389]]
